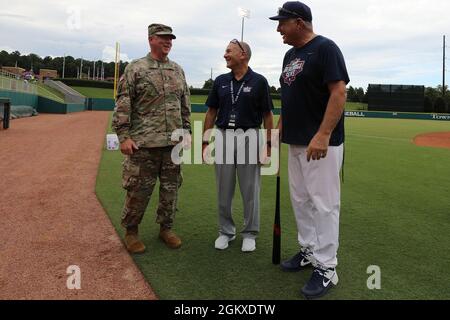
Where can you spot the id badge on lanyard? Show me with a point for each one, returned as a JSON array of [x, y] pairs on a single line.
[[233, 113], [232, 122]]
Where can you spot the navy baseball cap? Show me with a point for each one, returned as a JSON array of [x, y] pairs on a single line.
[[293, 10]]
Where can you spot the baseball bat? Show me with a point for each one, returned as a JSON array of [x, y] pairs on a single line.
[[276, 246]]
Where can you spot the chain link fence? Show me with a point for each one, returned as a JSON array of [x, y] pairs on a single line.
[[13, 82]]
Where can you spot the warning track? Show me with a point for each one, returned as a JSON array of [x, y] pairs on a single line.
[[50, 217]]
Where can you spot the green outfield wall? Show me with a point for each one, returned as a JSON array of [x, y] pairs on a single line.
[[41, 104], [20, 98], [100, 104], [46, 105], [365, 114], [397, 115]]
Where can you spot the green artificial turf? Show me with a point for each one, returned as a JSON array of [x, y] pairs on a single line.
[[198, 99], [95, 92], [395, 214], [355, 106], [49, 92], [277, 103]]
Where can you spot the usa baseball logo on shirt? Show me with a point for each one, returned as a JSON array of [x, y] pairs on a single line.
[[291, 70]]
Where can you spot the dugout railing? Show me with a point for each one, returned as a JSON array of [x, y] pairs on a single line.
[[13, 82]]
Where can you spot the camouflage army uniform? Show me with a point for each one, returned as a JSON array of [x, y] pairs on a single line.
[[152, 101]]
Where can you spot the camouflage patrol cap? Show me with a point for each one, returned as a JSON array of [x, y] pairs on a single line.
[[158, 29]]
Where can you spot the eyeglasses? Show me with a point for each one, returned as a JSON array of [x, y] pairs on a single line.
[[236, 41], [283, 10]]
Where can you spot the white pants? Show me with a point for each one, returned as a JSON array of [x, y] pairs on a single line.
[[315, 195]]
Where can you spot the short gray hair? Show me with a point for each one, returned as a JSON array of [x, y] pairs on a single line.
[[247, 49], [308, 25]]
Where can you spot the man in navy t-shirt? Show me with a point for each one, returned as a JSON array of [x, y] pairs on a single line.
[[313, 90], [238, 104]]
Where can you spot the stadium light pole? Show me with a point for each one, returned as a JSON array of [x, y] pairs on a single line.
[[443, 71], [243, 13], [64, 65], [116, 68], [81, 68]]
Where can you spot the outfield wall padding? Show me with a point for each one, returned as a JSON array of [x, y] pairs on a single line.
[[46, 105], [75, 107], [398, 115], [41, 104], [50, 106], [99, 104], [20, 98], [200, 108]]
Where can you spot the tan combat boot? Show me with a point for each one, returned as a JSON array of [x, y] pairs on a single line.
[[132, 242], [169, 238]]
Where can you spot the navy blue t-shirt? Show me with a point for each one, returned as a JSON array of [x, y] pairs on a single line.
[[254, 100], [304, 90]]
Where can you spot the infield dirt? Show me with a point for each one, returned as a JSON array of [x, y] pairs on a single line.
[[433, 139], [51, 218]]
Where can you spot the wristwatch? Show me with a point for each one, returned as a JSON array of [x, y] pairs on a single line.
[[269, 143]]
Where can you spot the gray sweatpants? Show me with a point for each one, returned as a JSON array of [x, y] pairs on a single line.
[[249, 178]]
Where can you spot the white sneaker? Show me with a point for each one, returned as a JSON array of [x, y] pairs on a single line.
[[248, 245], [222, 242]]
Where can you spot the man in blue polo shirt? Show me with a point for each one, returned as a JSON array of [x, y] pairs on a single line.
[[313, 90], [238, 104]]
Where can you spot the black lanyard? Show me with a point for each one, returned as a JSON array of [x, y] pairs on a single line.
[[235, 99]]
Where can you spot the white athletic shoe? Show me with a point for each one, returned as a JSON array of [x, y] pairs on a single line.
[[222, 242], [248, 245]]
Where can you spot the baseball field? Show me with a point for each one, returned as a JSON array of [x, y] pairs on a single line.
[[395, 215], [197, 99]]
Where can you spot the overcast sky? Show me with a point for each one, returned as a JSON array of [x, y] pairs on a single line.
[[383, 41]]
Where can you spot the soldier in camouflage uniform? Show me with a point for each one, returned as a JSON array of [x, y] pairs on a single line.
[[152, 101]]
